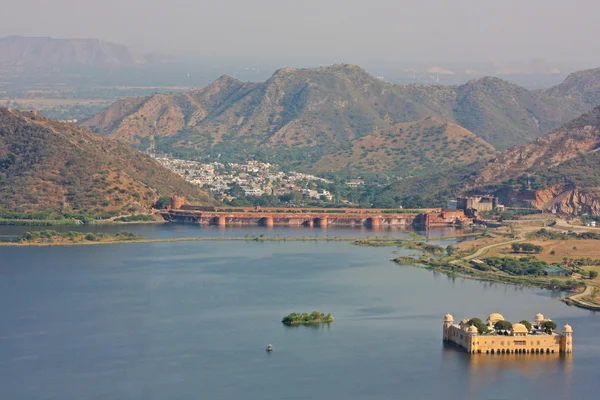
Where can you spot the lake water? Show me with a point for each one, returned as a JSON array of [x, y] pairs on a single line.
[[170, 231], [192, 319]]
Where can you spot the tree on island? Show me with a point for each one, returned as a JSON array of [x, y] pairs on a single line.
[[480, 325], [306, 318], [503, 325], [450, 250], [549, 326], [527, 324]]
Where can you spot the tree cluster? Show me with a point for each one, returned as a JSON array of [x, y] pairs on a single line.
[[482, 328], [526, 248], [546, 234], [515, 266], [503, 325], [306, 318], [548, 326]]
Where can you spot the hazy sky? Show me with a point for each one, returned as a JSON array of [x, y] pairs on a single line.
[[294, 32]]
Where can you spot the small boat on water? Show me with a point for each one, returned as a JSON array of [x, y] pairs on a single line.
[[269, 347]]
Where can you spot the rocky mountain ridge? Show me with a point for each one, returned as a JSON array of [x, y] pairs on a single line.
[[55, 54], [323, 110], [578, 137], [326, 118], [559, 171]]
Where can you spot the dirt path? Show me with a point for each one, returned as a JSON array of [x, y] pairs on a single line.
[[577, 299], [588, 290], [484, 250]]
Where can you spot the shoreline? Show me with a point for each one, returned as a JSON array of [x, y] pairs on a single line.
[[570, 299], [359, 241], [39, 223], [452, 268], [192, 239]]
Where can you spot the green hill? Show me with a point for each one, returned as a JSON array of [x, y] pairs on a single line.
[[58, 168]]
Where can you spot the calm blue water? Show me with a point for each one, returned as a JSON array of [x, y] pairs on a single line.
[[169, 231], [191, 320]]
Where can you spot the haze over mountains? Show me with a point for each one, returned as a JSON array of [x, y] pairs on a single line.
[[88, 61], [310, 113], [56, 54]]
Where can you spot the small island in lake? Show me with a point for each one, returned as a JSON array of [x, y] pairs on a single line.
[[314, 317]]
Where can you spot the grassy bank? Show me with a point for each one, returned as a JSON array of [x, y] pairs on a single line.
[[189, 239], [409, 243], [50, 237], [463, 271], [373, 242], [493, 259], [38, 222]]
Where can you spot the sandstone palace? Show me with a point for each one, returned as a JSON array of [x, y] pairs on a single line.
[[498, 336]]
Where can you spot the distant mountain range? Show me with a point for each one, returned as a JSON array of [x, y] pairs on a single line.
[[55, 167], [305, 117], [56, 54], [441, 140]]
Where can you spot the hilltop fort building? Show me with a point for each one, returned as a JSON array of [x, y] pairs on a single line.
[[516, 340], [473, 204]]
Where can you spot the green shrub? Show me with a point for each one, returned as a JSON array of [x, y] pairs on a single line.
[[90, 236]]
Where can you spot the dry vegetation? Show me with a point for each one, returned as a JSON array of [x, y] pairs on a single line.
[[58, 168], [410, 148], [560, 248]]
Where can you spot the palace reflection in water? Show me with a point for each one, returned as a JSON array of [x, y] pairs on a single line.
[[485, 370]]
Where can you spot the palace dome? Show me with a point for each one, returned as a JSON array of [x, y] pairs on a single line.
[[495, 317], [567, 329], [448, 318], [472, 329], [539, 318], [519, 328]]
